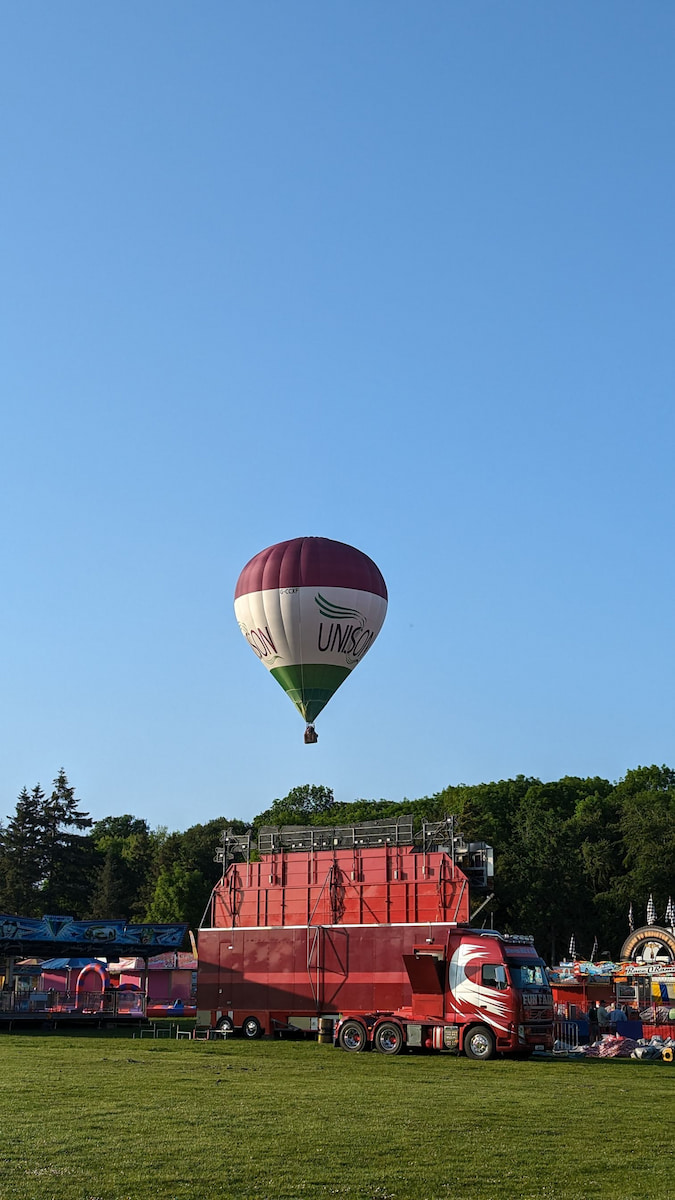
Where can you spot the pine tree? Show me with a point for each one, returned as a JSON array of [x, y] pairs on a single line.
[[23, 861], [68, 856], [109, 895]]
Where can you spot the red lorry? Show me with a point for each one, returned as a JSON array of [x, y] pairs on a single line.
[[364, 930]]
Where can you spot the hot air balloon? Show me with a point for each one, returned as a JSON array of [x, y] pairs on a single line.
[[310, 609]]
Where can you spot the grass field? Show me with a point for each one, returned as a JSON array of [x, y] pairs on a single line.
[[89, 1117]]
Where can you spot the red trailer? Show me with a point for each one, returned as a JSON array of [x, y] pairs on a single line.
[[365, 930]]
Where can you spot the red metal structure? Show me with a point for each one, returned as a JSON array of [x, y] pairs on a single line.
[[366, 929]]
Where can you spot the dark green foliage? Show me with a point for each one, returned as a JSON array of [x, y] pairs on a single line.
[[68, 855], [196, 847], [487, 810], [46, 866], [125, 854], [540, 864], [109, 897], [305, 805], [180, 895], [185, 872], [647, 826], [364, 810], [22, 862]]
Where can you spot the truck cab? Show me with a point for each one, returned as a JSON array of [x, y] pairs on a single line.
[[529, 980], [479, 992]]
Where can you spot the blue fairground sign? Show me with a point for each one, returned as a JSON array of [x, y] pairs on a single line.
[[33, 935]]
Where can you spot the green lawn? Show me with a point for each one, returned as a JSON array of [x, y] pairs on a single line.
[[112, 1117]]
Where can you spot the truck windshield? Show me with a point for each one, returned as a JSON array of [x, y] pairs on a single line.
[[528, 974]]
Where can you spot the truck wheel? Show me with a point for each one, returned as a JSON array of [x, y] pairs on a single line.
[[252, 1028], [389, 1038], [479, 1043], [352, 1036], [226, 1023]]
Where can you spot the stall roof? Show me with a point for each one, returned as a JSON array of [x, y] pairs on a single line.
[[28, 936], [67, 964]]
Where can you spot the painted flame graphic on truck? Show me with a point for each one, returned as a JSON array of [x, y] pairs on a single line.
[[472, 999]]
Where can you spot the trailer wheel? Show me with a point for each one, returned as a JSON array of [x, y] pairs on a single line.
[[479, 1043], [252, 1028], [226, 1024], [352, 1036], [389, 1038]]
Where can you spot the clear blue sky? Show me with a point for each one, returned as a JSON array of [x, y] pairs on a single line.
[[398, 274]]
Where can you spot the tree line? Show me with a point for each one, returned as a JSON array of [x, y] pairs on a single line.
[[571, 856]]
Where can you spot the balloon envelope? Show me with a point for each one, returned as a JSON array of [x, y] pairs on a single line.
[[310, 609]]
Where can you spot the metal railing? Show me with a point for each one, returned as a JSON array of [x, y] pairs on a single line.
[[396, 831], [565, 1035], [110, 1003]]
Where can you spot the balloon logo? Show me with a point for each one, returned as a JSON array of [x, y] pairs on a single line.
[[310, 609]]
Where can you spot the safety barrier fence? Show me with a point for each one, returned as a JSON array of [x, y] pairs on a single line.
[[566, 1035], [110, 1003]]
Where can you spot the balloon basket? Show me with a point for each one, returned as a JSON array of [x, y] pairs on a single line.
[[311, 736]]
